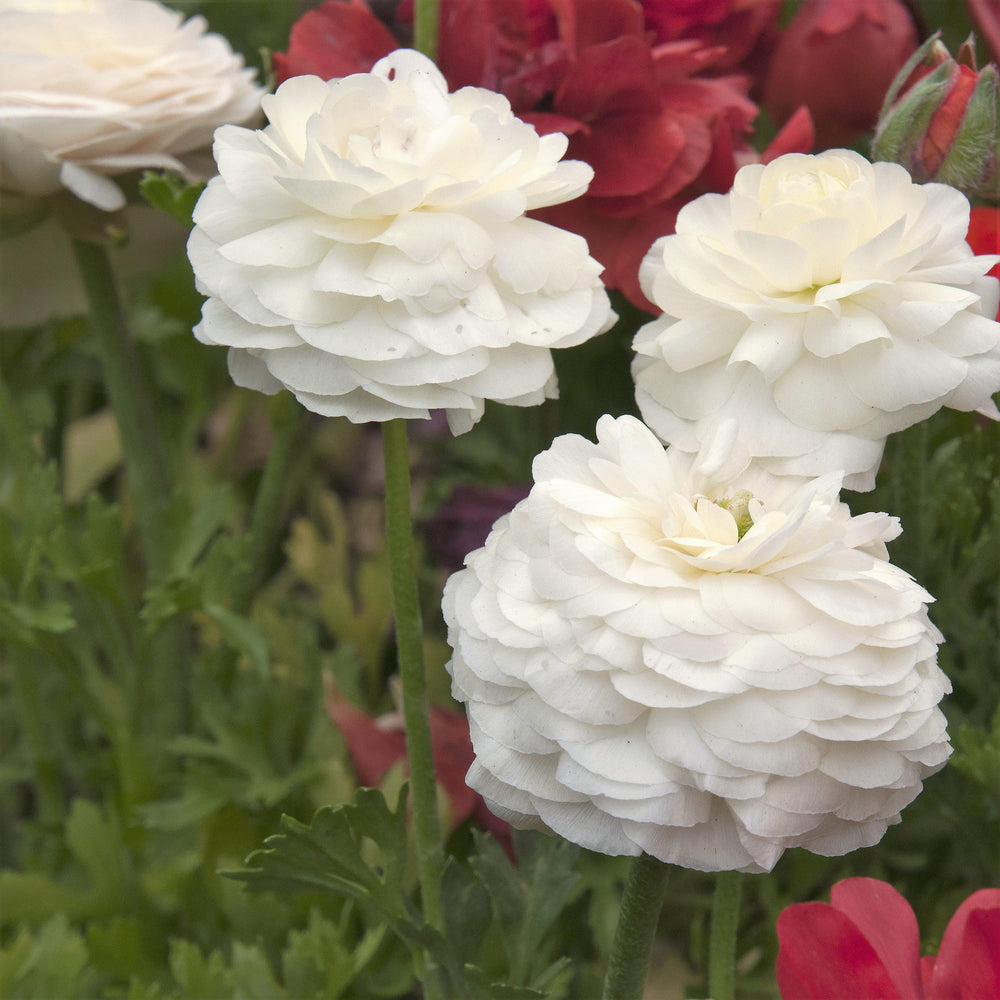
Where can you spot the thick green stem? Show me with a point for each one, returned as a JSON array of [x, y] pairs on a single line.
[[131, 400], [425, 27], [288, 423], [722, 940], [409, 645], [641, 904]]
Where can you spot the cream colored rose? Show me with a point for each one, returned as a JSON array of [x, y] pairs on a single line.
[[94, 88]]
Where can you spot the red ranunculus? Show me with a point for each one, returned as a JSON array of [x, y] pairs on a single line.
[[865, 944], [376, 744], [737, 25], [838, 57], [984, 235], [336, 39]]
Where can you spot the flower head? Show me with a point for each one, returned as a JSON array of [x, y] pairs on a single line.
[[826, 302], [688, 657], [940, 120], [866, 943], [94, 88], [368, 250], [838, 57]]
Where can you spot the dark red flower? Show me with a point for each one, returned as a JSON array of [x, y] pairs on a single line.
[[376, 744], [865, 944], [838, 57], [984, 235]]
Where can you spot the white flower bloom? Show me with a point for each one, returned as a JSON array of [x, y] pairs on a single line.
[[825, 303], [660, 652], [94, 88], [368, 250]]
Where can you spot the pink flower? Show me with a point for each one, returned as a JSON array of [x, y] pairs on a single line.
[[838, 57], [865, 944]]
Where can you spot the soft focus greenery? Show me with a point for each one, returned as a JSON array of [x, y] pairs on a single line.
[[153, 731]]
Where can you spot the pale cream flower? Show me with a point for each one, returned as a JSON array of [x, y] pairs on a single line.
[[369, 250], [825, 303], [94, 88], [688, 657]]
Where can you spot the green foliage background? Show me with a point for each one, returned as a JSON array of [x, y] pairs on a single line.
[[154, 732]]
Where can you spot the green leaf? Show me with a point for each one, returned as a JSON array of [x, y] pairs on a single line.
[[243, 635], [327, 854], [528, 899], [467, 910], [171, 194], [53, 963]]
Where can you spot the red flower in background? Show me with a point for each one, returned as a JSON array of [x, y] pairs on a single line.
[[376, 744], [984, 235], [659, 121], [737, 25], [865, 944], [838, 57]]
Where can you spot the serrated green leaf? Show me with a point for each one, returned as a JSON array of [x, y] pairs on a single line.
[[527, 899], [53, 616], [327, 855]]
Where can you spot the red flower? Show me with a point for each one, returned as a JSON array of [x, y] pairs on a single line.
[[984, 235], [336, 39], [736, 25], [838, 57], [376, 744], [865, 945]]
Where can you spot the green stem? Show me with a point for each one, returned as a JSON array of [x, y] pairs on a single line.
[[409, 646], [131, 400], [425, 27], [288, 423], [641, 903], [36, 726], [722, 940]]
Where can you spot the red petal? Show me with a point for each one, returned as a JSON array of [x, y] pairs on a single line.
[[822, 955], [336, 39], [797, 136], [986, 15], [546, 122], [886, 919], [481, 42], [590, 22], [629, 152], [373, 749], [947, 977], [618, 243], [979, 967], [616, 76]]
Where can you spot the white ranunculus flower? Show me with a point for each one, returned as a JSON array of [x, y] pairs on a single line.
[[94, 88], [825, 303], [686, 656], [369, 251]]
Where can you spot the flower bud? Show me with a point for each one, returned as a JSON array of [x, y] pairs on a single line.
[[940, 120]]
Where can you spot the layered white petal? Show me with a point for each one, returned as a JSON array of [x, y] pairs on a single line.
[[680, 654], [94, 88], [369, 248], [825, 303]]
